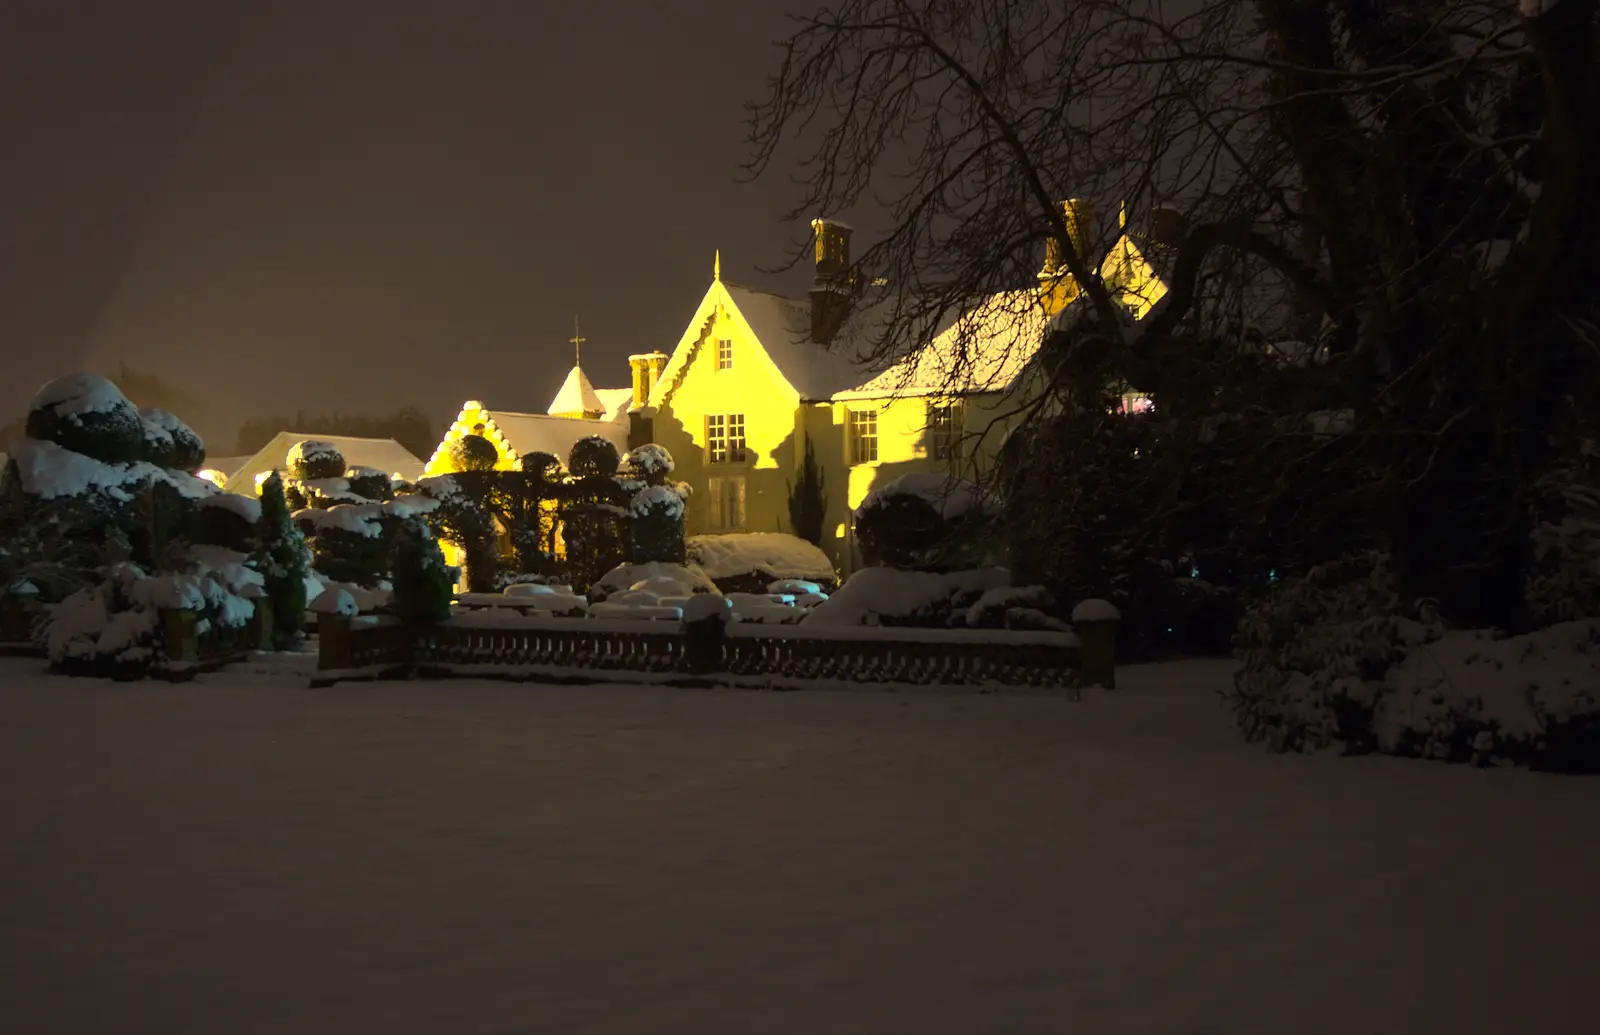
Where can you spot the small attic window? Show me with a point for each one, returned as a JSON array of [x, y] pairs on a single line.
[[725, 354]]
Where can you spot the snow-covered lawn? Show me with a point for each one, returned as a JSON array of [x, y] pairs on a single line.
[[243, 854]]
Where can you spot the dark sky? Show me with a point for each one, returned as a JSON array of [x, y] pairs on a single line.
[[366, 203]]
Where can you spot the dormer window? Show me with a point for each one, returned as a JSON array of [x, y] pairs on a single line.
[[725, 354]]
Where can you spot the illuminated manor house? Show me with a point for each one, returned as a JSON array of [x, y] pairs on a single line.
[[756, 376]]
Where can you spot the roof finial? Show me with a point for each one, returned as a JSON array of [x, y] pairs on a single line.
[[577, 340], [716, 266], [1122, 215]]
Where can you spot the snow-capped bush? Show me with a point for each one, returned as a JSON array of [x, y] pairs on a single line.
[[1015, 607], [229, 520], [313, 460], [113, 627], [87, 414], [170, 443], [746, 562], [910, 522], [660, 578], [650, 463], [894, 597], [369, 483], [655, 525], [1335, 660]]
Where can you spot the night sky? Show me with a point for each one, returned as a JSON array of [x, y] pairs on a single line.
[[363, 204]]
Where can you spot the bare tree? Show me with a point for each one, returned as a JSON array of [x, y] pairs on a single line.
[[1415, 183]]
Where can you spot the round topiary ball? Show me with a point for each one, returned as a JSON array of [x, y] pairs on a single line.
[[89, 415], [593, 457], [545, 466], [169, 442], [473, 453], [311, 460]]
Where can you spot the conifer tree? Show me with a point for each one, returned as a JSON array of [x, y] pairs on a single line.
[[808, 505], [282, 558], [422, 588]]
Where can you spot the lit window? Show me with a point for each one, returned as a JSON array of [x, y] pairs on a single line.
[[944, 431], [726, 512], [725, 354], [725, 438], [863, 436], [1137, 402]]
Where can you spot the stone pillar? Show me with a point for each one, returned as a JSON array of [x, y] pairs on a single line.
[[1095, 622], [178, 636], [333, 641]]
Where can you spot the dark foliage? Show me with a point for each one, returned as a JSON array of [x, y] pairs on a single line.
[[473, 453], [282, 558], [422, 583], [808, 501]]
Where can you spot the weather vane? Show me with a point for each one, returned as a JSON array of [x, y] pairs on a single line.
[[577, 340]]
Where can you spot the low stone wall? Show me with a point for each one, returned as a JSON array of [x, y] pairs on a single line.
[[966, 657]]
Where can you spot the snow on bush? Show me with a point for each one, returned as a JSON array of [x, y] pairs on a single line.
[[751, 560], [950, 498], [87, 414], [47, 470], [656, 498], [650, 463], [1016, 607], [1565, 581], [1336, 661], [336, 600], [657, 576], [111, 628], [891, 596], [313, 460], [169, 442], [712, 606]]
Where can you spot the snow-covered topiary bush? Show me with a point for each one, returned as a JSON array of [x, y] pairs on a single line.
[[746, 562], [657, 577], [649, 463], [422, 583], [313, 460], [369, 483], [910, 522], [170, 443], [87, 414], [655, 525], [282, 558]]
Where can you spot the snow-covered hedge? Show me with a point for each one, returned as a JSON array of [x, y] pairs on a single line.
[[915, 521], [748, 561], [655, 577], [978, 598], [1336, 660], [113, 627]]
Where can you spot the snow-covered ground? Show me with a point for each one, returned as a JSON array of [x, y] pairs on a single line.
[[243, 854]]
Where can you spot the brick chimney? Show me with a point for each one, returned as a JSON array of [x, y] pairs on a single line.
[[647, 369], [831, 291], [1079, 216]]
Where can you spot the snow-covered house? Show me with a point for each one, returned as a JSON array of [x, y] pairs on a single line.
[[756, 377], [380, 454]]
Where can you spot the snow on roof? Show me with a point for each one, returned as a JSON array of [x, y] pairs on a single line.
[[576, 395], [783, 326], [617, 402], [541, 433], [984, 349], [384, 454], [79, 393], [48, 471]]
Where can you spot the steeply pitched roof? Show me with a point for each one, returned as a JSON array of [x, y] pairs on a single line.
[[541, 433], [985, 349], [577, 395], [783, 326], [617, 401], [383, 454]]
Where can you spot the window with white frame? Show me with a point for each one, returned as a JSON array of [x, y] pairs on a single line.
[[725, 354], [725, 438], [944, 431], [726, 510], [863, 436]]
